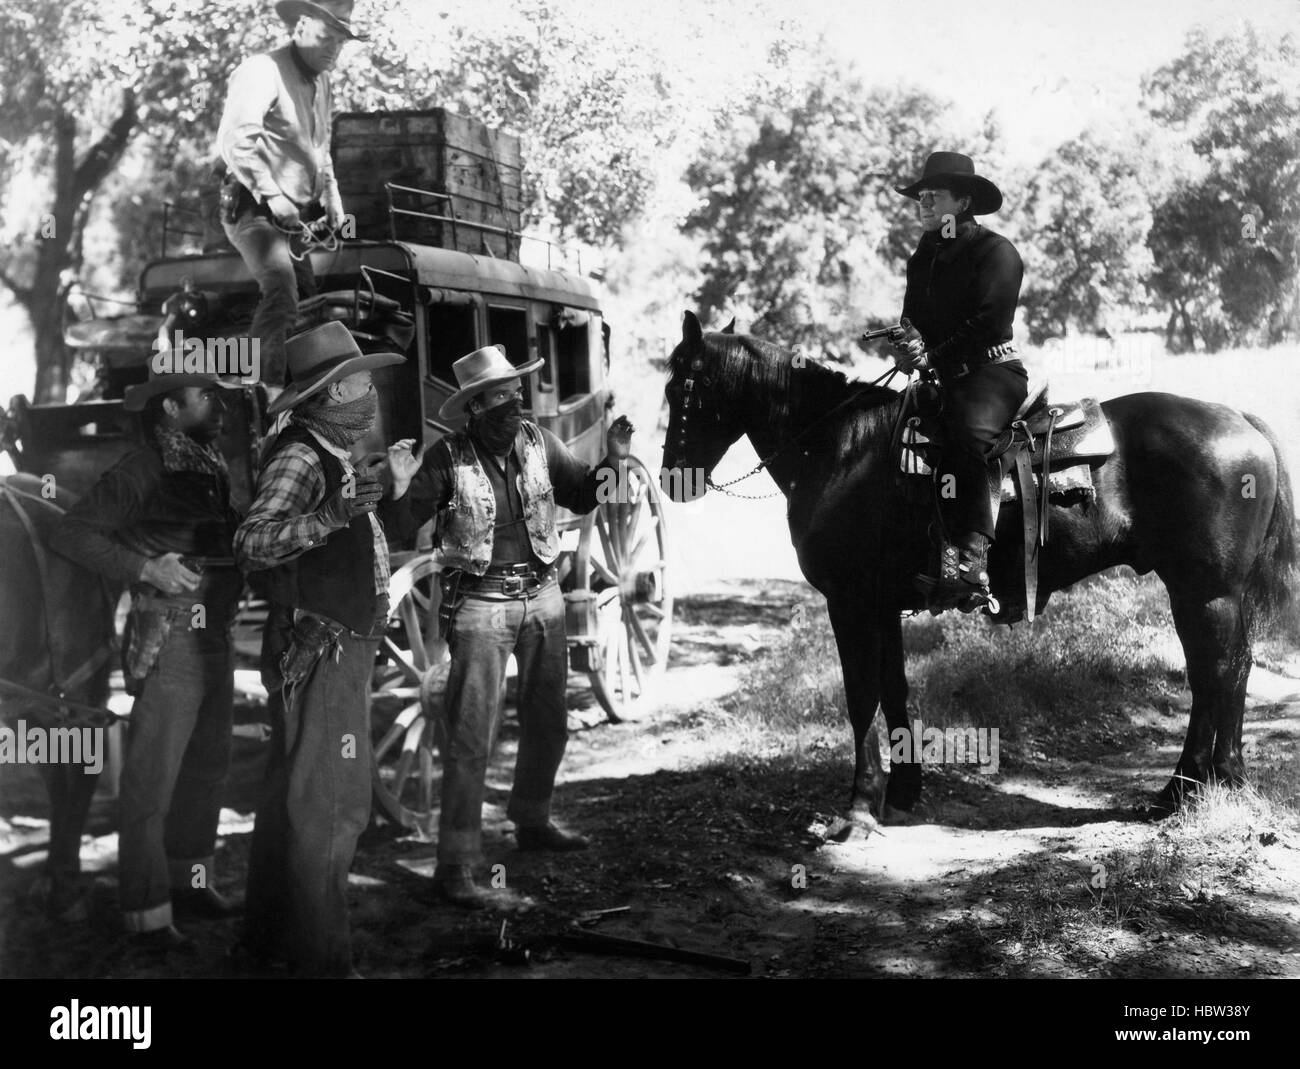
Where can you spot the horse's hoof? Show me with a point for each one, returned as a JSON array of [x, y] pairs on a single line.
[[903, 791]]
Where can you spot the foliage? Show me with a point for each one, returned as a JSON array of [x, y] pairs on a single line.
[[1226, 241], [803, 235], [1088, 216]]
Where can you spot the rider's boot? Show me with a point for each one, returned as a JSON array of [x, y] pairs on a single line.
[[963, 580]]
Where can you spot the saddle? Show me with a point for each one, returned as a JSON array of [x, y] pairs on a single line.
[[1047, 454]]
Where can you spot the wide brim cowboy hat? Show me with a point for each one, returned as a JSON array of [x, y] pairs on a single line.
[[481, 370], [335, 13], [323, 355], [953, 171], [136, 397]]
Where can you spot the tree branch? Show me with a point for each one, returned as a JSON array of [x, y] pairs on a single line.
[[105, 153]]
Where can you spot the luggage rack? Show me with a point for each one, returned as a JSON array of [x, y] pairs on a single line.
[[512, 236]]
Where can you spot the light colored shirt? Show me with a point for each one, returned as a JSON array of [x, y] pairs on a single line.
[[275, 131], [283, 524]]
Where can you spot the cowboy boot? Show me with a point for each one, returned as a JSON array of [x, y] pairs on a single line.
[[963, 581]]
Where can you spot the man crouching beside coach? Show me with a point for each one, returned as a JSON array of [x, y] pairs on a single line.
[[495, 486], [313, 524]]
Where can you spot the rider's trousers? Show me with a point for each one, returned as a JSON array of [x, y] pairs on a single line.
[[977, 409]]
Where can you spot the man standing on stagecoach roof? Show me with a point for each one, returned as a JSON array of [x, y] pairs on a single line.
[[313, 526], [963, 283], [494, 486], [274, 140], [160, 521]]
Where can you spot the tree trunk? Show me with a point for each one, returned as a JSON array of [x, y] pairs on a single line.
[[59, 255]]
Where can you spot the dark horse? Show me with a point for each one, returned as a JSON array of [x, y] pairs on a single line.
[[1196, 492], [56, 637]]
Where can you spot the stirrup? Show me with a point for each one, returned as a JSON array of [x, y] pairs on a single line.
[[962, 582]]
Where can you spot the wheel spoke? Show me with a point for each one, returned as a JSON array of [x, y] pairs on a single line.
[[646, 532], [636, 664], [396, 730], [639, 629], [605, 540], [401, 662], [414, 635], [653, 610], [598, 566]]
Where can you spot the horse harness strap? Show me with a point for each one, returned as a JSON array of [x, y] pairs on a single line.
[[87, 667]]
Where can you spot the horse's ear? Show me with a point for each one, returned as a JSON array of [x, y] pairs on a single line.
[[730, 328], [692, 333]]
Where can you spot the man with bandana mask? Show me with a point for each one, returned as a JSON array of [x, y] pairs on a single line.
[[314, 526], [494, 486]]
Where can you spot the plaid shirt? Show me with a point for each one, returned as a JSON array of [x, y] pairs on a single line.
[[282, 524]]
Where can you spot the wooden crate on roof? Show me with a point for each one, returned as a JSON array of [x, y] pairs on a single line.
[[477, 171]]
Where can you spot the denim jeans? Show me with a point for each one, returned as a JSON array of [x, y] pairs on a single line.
[[484, 633], [177, 755], [282, 280], [314, 805]]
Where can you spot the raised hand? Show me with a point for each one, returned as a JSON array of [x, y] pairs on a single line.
[[618, 439], [355, 497]]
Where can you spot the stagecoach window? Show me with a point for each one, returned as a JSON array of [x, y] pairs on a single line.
[[509, 327], [572, 354], [451, 336]]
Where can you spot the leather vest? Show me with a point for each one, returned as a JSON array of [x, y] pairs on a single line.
[[337, 577], [466, 525]]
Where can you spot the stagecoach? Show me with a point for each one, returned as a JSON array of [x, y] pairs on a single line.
[[434, 272]]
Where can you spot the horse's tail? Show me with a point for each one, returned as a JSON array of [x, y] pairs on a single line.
[[1271, 587]]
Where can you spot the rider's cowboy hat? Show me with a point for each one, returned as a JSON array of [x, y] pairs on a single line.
[[136, 397], [323, 355], [481, 370], [334, 13], [953, 171]]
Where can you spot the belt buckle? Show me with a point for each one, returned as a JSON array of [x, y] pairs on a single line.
[[512, 584]]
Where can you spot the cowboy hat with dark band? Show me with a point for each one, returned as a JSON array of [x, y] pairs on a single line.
[[334, 13], [323, 355], [136, 397], [955, 172], [481, 370]]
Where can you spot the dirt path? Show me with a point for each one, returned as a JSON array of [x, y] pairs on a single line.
[[991, 875]]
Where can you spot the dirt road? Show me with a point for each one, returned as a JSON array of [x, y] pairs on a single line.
[[719, 848]]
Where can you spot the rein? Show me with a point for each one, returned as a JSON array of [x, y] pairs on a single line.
[[693, 399]]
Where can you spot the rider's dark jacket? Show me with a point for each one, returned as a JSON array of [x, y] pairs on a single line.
[[962, 293]]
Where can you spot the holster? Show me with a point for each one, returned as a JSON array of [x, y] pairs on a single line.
[[449, 585], [143, 638], [312, 635]]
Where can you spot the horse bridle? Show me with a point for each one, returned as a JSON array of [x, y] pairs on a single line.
[[694, 399]]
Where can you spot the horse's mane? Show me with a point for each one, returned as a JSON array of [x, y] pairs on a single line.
[[744, 366]]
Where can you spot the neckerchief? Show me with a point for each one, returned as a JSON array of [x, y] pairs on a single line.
[[341, 425], [180, 452]]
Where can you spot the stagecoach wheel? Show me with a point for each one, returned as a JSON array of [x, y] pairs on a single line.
[[410, 672], [622, 560]]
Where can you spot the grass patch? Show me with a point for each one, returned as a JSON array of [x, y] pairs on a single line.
[[1107, 643]]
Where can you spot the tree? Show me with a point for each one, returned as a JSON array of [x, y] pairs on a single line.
[[804, 237], [79, 81], [1226, 240], [1087, 213]]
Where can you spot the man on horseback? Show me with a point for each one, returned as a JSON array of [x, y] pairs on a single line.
[[963, 283], [274, 144]]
